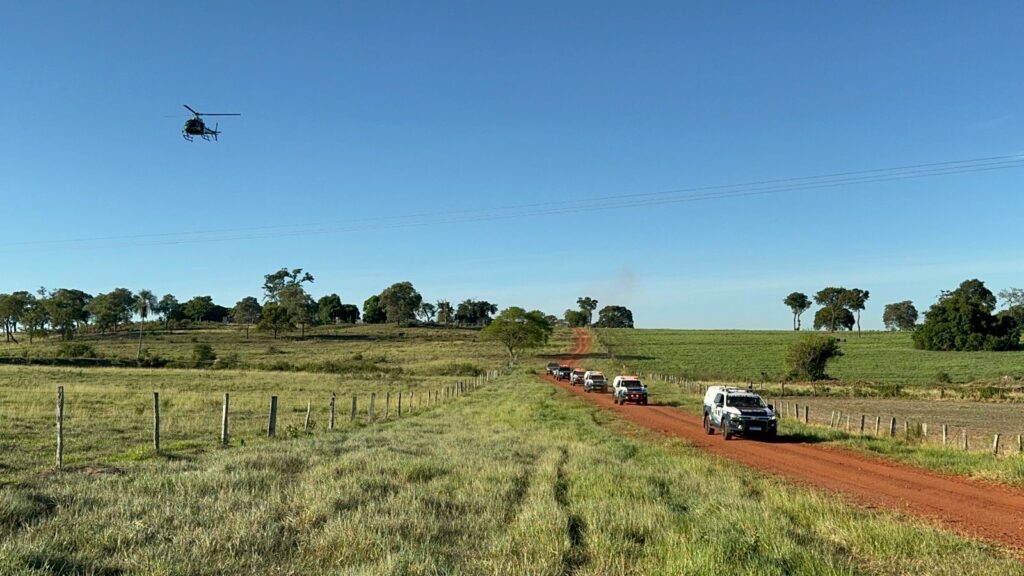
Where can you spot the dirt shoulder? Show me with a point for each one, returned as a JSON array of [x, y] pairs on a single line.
[[970, 507]]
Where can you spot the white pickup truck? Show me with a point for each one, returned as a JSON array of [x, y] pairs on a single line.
[[628, 389], [738, 411]]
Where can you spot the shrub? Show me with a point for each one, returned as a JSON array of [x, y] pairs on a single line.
[[203, 355], [943, 377], [458, 369], [76, 350], [808, 357], [227, 362]]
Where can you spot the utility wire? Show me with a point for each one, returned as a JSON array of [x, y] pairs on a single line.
[[610, 202]]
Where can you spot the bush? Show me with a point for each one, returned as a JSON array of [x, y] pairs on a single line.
[[76, 350], [808, 357], [943, 377], [203, 355], [227, 362], [458, 369]]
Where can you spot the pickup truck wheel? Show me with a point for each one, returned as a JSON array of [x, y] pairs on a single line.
[[645, 402], [726, 433], [707, 426]]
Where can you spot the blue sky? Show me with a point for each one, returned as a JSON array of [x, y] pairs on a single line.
[[356, 116]]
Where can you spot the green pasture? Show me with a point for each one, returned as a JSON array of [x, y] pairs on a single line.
[[515, 478]]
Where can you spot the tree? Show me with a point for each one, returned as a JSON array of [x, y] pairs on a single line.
[[474, 312], [112, 309], [587, 306], [426, 312], [808, 357], [143, 303], [349, 313], [373, 312], [854, 300], [169, 309], [900, 316], [576, 318], [445, 313], [274, 284], [198, 308], [400, 301], [328, 309], [36, 316], [516, 329], [963, 320], [798, 302], [833, 300], [1013, 299], [843, 320], [67, 308], [12, 309], [299, 305], [615, 317], [275, 318], [247, 311]]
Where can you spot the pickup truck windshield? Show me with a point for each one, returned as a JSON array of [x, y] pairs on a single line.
[[597, 378], [745, 401], [632, 384]]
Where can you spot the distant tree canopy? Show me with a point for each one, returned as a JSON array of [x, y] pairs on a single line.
[[963, 320], [247, 311], [808, 357], [445, 312], [900, 316], [67, 308], [426, 312], [349, 314], [615, 317], [169, 309], [855, 300], [400, 302], [373, 312], [1013, 299], [474, 312], [576, 318], [111, 310], [587, 306], [198, 309], [328, 309], [799, 303], [516, 329], [841, 319], [275, 319]]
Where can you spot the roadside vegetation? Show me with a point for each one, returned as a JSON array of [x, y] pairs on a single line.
[[515, 478]]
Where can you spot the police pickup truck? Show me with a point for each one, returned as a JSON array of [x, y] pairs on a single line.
[[738, 411], [628, 389]]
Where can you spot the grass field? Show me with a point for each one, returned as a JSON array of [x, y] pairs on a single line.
[[665, 352], [741, 356], [515, 478]]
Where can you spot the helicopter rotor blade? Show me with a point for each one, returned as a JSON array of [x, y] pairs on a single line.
[[191, 110], [212, 114]]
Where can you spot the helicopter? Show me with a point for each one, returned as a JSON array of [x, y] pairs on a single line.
[[196, 127]]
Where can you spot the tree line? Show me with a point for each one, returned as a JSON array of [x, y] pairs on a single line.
[[962, 319]]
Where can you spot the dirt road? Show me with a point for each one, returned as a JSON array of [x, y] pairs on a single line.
[[970, 507]]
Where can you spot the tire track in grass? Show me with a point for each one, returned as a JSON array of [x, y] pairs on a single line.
[[975, 508], [576, 556]]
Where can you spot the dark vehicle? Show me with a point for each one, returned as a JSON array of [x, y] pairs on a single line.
[[552, 368], [195, 126], [563, 373]]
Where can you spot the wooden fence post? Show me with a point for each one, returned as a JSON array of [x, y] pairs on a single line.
[[924, 430], [373, 399], [967, 442], [60, 426], [224, 422], [353, 408], [330, 425], [945, 433], [861, 424], [156, 421], [847, 422], [995, 446], [412, 401], [831, 418], [1020, 443], [399, 403], [272, 424], [807, 414], [878, 424], [797, 404], [309, 412], [892, 427], [387, 405]]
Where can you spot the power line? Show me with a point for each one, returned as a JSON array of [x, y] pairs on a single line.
[[610, 202]]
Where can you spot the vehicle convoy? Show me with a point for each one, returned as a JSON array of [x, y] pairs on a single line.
[[563, 373], [552, 368], [738, 411], [594, 380], [628, 389], [576, 378]]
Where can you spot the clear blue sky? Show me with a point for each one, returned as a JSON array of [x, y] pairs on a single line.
[[358, 114]]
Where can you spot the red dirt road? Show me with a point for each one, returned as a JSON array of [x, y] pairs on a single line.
[[970, 507]]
